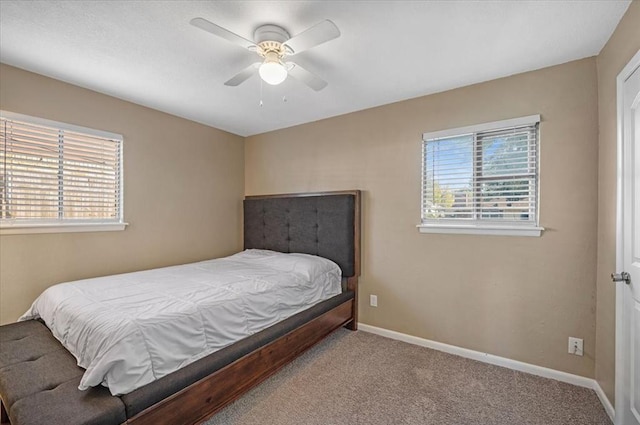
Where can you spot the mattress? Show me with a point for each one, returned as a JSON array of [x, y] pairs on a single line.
[[129, 330]]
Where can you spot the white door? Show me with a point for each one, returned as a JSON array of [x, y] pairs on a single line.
[[628, 285]]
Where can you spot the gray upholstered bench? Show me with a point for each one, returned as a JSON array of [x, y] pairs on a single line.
[[39, 382]]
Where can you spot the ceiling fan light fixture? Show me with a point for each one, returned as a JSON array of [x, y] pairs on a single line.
[[272, 71]]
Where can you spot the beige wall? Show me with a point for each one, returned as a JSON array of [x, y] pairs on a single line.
[[517, 297], [620, 48], [183, 185]]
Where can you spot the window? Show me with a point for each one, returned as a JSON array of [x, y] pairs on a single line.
[[482, 179], [57, 177]]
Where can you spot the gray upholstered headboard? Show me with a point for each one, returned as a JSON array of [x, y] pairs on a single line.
[[325, 224]]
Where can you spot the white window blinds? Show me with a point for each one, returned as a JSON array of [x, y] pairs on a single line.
[[481, 177], [56, 173]]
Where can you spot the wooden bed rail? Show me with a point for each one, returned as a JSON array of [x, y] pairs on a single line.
[[204, 398], [4, 418]]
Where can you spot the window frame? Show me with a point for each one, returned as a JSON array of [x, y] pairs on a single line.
[[483, 226], [26, 226]]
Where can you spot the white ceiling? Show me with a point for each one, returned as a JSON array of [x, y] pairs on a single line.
[[146, 51]]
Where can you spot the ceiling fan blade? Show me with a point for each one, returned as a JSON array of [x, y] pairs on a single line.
[[314, 36], [301, 74], [243, 75], [214, 29]]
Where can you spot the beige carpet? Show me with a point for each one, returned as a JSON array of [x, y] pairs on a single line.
[[360, 378]]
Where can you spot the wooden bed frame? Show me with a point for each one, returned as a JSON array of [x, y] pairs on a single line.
[[204, 398]]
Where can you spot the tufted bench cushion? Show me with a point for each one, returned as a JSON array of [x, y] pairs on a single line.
[[39, 382]]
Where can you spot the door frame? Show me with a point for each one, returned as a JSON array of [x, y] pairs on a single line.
[[622, 77]]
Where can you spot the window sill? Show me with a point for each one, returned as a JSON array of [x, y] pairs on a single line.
[[23, 229], [498, 230]]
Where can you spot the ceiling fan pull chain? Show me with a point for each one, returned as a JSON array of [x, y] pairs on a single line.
[[261, 104]]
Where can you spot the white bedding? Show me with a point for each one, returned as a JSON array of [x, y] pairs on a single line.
[[128, 330]]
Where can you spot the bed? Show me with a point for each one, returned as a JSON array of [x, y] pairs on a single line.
[[321, 224]]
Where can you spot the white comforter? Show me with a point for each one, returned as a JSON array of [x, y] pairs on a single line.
[[128, 330]]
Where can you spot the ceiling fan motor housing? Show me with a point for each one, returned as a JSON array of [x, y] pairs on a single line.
[[270, 38], [270, 33]]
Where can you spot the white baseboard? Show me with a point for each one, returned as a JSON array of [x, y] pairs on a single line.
[[608, 407], [545, 372]]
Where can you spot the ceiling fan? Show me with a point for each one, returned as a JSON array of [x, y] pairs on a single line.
[[273, 44]]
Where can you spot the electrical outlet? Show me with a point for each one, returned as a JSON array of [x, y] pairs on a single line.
[[575, 346], [373, 300]]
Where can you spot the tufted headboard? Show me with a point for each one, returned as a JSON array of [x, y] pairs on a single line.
[[326, 224]]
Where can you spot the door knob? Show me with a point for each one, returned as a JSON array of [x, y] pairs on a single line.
[[621, 277]]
